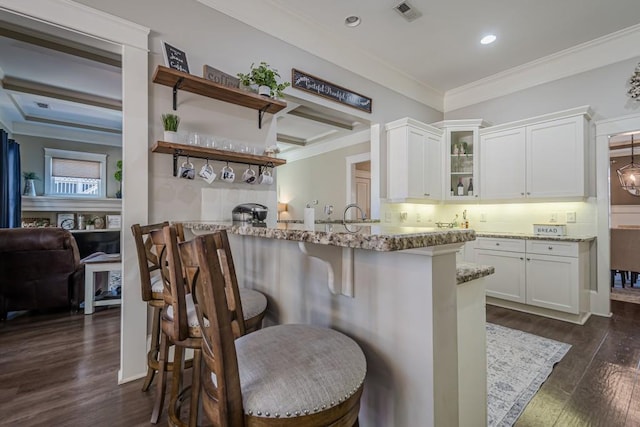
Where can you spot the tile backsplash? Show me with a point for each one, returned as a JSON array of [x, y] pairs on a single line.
[[507, 217]]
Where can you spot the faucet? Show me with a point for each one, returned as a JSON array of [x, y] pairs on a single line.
[[352, 205]]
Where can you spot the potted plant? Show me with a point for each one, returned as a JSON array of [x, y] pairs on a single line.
[[91, 223], [170, 122], [265, 78], [29, 183], [118, 177]]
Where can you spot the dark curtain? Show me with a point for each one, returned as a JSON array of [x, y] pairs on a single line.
[[10, 199]]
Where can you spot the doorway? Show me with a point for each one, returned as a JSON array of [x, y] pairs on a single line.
[[624, 220], [131, 42], [359, 188], [605, 129]]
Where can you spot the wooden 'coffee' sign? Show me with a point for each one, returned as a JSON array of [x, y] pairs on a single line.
[[220, 77], [315, 85], [174, 58]]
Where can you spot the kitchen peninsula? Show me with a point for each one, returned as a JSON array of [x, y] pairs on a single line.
[[396, 292]]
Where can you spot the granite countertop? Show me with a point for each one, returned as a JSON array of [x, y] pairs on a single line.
[[531, 236], [372, 237], [330, 221], [468, 271]]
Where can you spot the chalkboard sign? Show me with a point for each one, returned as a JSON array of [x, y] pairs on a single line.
[[317, 86], [174, 58]]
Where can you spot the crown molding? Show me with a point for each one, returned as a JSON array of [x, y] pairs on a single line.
[[615, 47], [271, 18], [66, 134]]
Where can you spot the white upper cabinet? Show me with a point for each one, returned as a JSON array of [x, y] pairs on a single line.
[[414, 161], [542, 157], [502, 161]]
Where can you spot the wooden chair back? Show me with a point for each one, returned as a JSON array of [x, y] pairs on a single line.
[[217, 300], [175, 288], [148, 260]]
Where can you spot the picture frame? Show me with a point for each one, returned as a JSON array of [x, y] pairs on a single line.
[[174, 58], [114, 221], [66, 221]]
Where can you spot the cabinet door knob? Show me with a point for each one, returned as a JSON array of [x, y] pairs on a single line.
[[528, 193], [528, 259], [550, 248], [522, 194], [521, 259], [497, 244], [475, 195], [427, 194]]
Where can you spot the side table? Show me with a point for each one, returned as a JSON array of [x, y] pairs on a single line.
[[106, 262]]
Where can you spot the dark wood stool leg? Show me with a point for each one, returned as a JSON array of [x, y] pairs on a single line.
[[176, 385], [163, 356], [195, 388], [152, 356], [623, 277], [613, 277]]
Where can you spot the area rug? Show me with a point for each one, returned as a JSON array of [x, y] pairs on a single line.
[[627, 295], [517, 365]]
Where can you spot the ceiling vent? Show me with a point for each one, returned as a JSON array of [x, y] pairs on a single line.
[[42, 105], [409, 12]]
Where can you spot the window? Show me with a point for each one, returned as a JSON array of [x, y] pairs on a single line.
[[74, 173]]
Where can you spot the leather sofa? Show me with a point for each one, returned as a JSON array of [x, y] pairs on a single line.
[[40, 268]]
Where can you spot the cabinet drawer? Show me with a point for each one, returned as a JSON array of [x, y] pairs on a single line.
[[509, 245], [548, 247]]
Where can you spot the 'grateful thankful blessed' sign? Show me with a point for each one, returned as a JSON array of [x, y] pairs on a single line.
[[309, 83]]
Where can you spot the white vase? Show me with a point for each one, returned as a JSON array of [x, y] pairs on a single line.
[[264, 91], [170, 136], [29, 188]]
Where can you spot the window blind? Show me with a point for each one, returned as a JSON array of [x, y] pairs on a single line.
[[75, 168]]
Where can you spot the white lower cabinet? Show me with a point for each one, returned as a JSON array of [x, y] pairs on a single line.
[[537, 273], [508, 282]]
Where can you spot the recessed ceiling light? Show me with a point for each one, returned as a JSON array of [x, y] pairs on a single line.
[[352, 21], [488, 39]]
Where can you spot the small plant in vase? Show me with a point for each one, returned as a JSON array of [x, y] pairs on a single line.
[[118, 177], [170, 123], [266, 78], [29, 183]]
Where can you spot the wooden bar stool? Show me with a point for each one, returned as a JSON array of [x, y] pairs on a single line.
[[286, 375], [151, 287], [180, 326]]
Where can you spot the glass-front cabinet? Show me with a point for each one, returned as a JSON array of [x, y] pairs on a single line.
[[461, 158]]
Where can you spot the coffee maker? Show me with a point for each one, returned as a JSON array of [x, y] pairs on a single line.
[[250, 214]]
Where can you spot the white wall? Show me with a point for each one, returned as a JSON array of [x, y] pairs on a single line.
[[604, 89], [321, 177]]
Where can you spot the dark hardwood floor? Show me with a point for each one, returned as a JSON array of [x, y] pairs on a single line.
[[61, 370], [596, 383]]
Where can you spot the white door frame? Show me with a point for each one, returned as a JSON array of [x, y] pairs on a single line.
[[133, 41], [600, 297]]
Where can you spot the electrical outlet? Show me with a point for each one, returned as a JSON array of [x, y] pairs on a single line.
[[553, 217], [483, 217], [418, 217], [387, 217], [571, 217], [404, 216]]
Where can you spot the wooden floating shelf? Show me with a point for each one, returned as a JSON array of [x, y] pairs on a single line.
[[198, 85], [184, 150]]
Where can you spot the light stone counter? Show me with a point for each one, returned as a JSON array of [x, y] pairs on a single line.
[[376, 237], [467, 271], [531, 236]]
